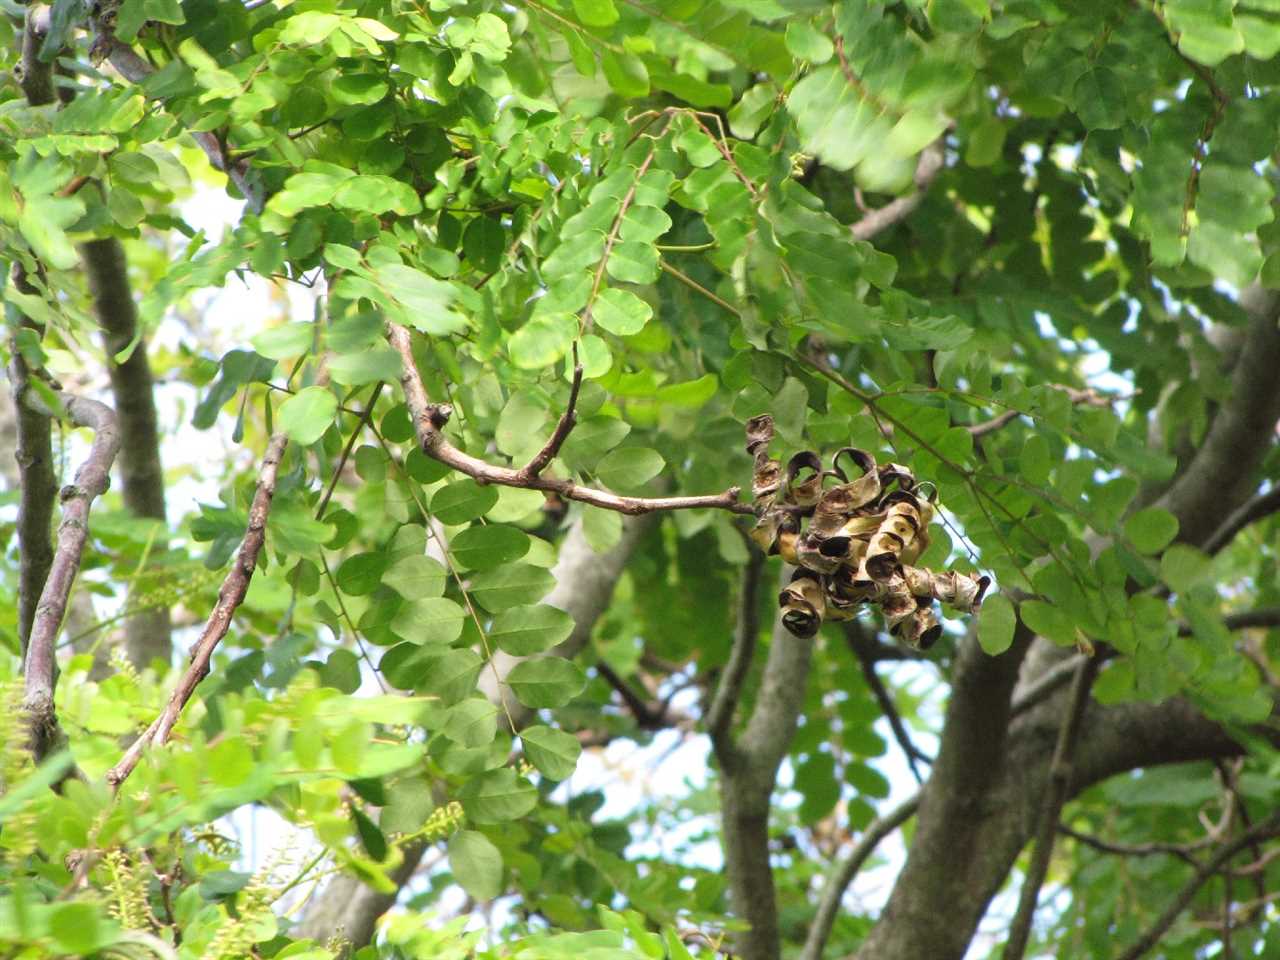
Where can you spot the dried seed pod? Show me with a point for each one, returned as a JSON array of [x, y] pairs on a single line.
[[921, 630], [759, 433], [896, 473], [845, 585], [803, 603], [776, 532], [960, 590], [898, 530], [804, 489], [863, 491], [766, 480], [821, 554]]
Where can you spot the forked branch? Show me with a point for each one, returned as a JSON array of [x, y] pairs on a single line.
[[40, 665], [230, 596], [429, 420]]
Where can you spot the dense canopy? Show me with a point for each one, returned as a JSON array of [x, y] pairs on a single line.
[[343, 620]]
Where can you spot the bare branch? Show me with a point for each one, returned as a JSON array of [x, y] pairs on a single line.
[[1251, 512], [40, 668], [1060, 770], [34, 75], [1222, 473], [931, 162], [746, 636], [857, 637], [649, 714], [1078, 397], [1181, 850], [346, 450], [38, 488], [566, 423], [840, 878], [1264, 830], [230, 596], [132, 387], [429, 420], [1244, 620]]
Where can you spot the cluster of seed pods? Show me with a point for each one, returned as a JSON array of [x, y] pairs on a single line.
[[862, 539]]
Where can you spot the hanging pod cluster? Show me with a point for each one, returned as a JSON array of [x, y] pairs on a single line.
[[862, 538]]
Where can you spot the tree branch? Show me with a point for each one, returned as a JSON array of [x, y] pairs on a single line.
[[1181, 850], [840, 878], [1060, 768], [931, 162], [429, 420], [1222, 473], [1252, 511], [729, 691], [34, 75], [40, 668], [649, 715], [1264, 830], [38, 486], [230, 596], [566, 423], [141, 473], [857, 638]]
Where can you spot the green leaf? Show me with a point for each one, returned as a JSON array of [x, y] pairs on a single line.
[[620, 312], [476, 864], [546, 682], [80, 929], [1183, 567], [592, 439], [1099, 99], [427, 301], [629, 467], [1151, 530], [367, 366], [308, 414], [633, 263], [510, 586], [361, 573], [554, 752], [1034, 461], [471, 723], [488, 546], [521, 631], [287, 341], [429, 621], [1049, 621], [806, 42], [462, 500], [996, 625], [596, 13], [416, 577], [497, 796], [451, 675], [543, 340], [626, 73]]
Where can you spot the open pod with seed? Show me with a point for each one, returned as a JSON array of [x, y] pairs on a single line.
[[860, 544]]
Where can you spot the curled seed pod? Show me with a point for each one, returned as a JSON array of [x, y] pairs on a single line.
[[759, 433], [960, 590], [898, 605], [821, 554], [896, 473], [837, 608], [803, 603], [899, 528], [804, 479], [921, 630], [766, 479], [864, 461], [765, 532]]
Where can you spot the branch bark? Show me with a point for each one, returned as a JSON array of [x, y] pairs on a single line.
[[746, 636], [141, 473], [429, 420], [931, 162], [749, 770], [1266, 829], [40, 668], [839, 880], [230, 596], [1055, 797]]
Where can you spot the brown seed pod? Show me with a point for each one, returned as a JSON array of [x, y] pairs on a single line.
[[803, 603], [759, 433], [804, 479], [899, 528]]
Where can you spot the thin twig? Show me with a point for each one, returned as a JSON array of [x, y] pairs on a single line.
[[931, 162], [568, 419], [1055, 796], [230, 596], [1258, 508], [346, 450], [840, 878], [1182, 850], [40, 667], [725, 702], [429, 420], [1264, 830], [649, 715], [856, 636]]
